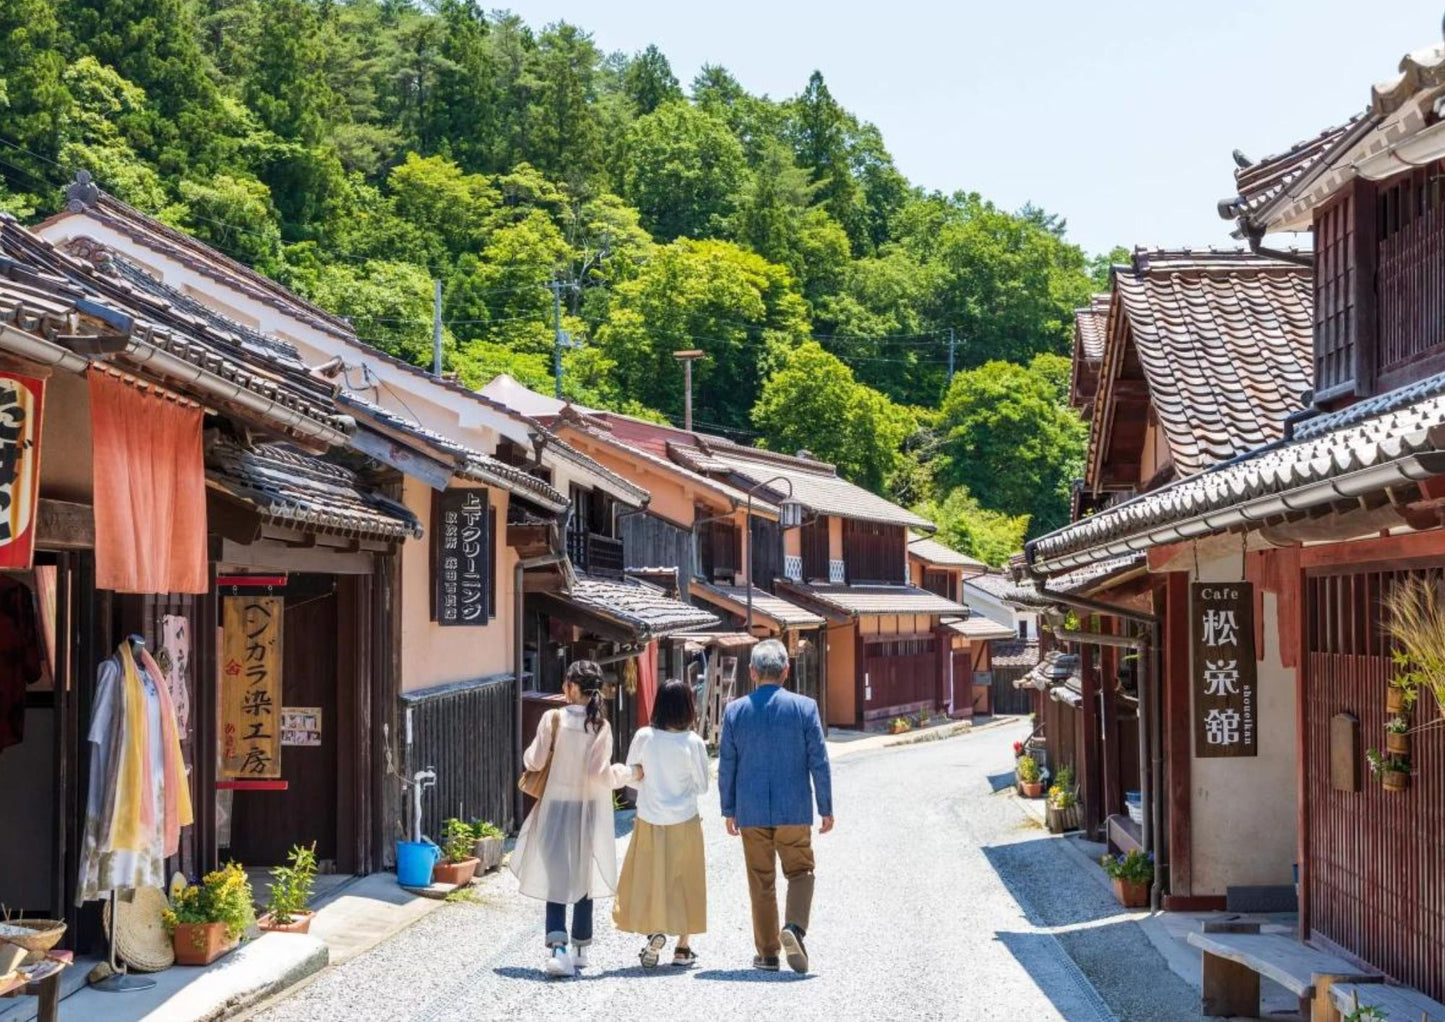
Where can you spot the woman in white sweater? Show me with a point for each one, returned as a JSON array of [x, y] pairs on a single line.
[[663, 887]]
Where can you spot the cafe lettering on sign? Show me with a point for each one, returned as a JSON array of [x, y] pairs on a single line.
[[461, 553], [1224, 674], [251, 687]]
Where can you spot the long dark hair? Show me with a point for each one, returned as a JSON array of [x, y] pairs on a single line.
[[674, 709], [587, 676]]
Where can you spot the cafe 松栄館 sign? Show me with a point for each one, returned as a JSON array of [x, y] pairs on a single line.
[[1224, 674]]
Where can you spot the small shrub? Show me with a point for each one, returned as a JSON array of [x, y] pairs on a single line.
[[1397, 725], [457, 840], [485, 828], [291, 885], [1028, 768], [1134, 868]]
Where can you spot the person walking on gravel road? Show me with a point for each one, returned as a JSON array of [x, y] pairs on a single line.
[[772, 765]]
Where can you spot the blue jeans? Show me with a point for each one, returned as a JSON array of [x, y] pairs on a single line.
[[581, 923]]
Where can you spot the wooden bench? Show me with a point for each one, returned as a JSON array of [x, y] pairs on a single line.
[[1236, 955], [1396, 1002]]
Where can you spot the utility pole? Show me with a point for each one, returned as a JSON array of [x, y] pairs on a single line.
[[687, 358], [950, 355], [436, 329]]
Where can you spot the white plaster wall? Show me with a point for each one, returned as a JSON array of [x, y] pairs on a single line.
[[1243, 827]]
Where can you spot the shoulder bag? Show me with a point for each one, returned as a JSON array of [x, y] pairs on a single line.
[[534, 782]]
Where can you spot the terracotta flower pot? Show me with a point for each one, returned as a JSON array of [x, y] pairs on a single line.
[[1397, 743], [300, 923], [1396, 780], [199, 943], [488, 851], [1032, 789], [1394, 699], [1131, 893], [454, 874]]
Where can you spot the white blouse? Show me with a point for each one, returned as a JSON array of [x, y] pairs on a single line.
[[674, 773]]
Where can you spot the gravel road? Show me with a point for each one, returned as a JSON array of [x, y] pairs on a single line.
[[937, 897]]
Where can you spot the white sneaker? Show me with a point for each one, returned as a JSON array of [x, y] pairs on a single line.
[[559, 963], [579, 956]]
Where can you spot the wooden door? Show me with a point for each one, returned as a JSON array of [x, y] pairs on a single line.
[[266, 824]]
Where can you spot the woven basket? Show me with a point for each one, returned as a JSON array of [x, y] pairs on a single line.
[[141, 940], [46, 934]]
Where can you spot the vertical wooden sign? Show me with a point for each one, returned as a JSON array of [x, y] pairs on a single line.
[[459, 557], [251, 686], [21, 413], [1223, 671]]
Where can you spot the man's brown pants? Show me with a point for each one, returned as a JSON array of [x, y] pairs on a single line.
[[762, 846]]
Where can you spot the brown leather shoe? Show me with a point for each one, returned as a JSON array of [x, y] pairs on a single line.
[[793, 948], [765, 963]]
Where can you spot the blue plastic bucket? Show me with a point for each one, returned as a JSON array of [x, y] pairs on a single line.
[[414, 862]]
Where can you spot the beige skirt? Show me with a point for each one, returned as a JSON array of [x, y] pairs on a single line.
[[663, 887]]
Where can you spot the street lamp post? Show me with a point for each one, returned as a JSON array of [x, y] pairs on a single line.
[[790, 516]]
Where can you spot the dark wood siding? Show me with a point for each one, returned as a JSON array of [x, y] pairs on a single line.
[[944, 583], [767, 553], [652, 542], [719, 550], [1410, 228], [1374, 876], [465, 732], [815, 549], [874, 552], [901, 673]]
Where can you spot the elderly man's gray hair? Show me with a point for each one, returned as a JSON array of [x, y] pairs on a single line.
[[770, 660]]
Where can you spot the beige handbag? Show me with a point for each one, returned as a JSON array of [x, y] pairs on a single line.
[[534, 782]]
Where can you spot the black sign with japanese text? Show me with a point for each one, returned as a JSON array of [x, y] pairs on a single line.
[[460, 552], [1224, 674]]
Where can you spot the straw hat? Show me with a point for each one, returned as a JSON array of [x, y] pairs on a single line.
[[140, 935]]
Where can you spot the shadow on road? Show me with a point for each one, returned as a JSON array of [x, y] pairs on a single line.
[[753, 976], [998, 782], [1056, 976], [1031, 870]]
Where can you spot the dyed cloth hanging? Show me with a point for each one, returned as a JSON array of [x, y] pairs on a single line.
[[150, 489], [139, 796], [646, 683]]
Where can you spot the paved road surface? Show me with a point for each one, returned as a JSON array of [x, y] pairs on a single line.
[[937, 898]]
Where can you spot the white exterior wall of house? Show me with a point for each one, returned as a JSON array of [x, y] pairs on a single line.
[[990, 606]]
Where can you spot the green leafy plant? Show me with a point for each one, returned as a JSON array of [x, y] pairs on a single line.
[[1397, 725], [485, 828], [457, 840], [901, 724], [1061, 792], [923, 718], [223, 896], [1384, 763], [1028, 769], [1364, 1013], [1135, 867], [291, 885], [1416, 620]]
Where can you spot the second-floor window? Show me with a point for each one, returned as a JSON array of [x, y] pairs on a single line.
[[719, 552], [941, 582], [875, 552], [813, 538], [591, 545]]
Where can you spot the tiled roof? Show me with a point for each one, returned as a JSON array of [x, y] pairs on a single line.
[[995, 583], [786, 614], [815, 484], [1225, 342], [1260, 182], [1383, 441], [1019, 653], [934, 552], [851, 600], [1090, 323], [1079, 582], [980, 628], [291, 488], [50, 294], [1054, 668], [470, 463], [645, 609]]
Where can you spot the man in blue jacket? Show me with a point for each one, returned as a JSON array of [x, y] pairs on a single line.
[[772, 745]]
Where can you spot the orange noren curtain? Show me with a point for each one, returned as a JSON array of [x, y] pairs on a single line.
[[646, 683], [150, 490]]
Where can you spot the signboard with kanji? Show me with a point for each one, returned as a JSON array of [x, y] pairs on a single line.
[[1224, 674], [460, 551], [21, 402], [251, 686]]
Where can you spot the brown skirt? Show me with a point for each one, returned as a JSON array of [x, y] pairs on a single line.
[[663, 887]]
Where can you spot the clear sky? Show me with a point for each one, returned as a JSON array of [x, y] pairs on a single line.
[[1119, 115]]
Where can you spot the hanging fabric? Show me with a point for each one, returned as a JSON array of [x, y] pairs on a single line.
[[646, 683], [20, 665], [150, 489], [139, 796]]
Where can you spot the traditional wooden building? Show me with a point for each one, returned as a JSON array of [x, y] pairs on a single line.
[[943, 571], [1301, 542]]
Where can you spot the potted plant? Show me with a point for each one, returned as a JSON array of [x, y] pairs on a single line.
[[1030, 777], [1397, 735], [1393, 771], [487, 844], [923, 718], [458, 865], [291, 884], [206, 920], [1416, 620], [1062, 810], [1018, 749], [1132, 874], [899, 725]]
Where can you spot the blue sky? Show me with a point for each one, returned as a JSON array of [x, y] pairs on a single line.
[[1118, 115]]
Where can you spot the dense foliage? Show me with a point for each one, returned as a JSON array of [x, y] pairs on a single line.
[[358, 149]]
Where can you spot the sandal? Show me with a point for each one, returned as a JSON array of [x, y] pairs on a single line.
[[650, 951], [684, 958]]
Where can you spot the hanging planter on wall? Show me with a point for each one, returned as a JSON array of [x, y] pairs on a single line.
[[1397, 735], [1392, 770]]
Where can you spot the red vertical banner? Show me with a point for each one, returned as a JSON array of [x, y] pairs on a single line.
[[22, 400]]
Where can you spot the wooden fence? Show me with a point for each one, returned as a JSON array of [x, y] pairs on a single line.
[[465, 733]]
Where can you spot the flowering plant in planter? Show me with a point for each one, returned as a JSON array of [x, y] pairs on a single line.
[[1132, 874], [1393, 771], [1018, 749], [291, 892], [1061, 793], [1030, 776], [206, 919]]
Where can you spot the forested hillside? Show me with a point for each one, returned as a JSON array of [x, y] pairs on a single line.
[[358, 149]]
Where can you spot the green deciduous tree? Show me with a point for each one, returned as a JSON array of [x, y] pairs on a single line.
[[683, 172], [968, 527]]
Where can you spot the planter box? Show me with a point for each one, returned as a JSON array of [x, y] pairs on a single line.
[[300, 923], [200, 943], [454, 874], [1396, 780], [488, 851], [1394, 699], [1034, 790], [1060, 820], [1398, 744], [1131, 895]]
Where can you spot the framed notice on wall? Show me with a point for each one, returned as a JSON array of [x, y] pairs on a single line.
[[251, 686], [22, 400], [461, 558], [1224, 674]]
